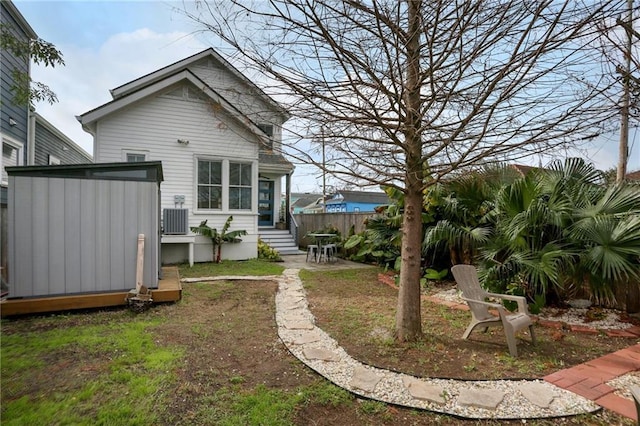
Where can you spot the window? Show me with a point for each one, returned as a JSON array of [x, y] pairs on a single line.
[[239, 186], [53, 160], [268, 130], [135, 158], [12, 155], [209, 184]]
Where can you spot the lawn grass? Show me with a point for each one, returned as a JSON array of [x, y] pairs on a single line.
[[109, 371], [251, 267], [214, 358]]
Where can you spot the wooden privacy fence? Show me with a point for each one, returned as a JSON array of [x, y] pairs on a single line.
[[342, 221]]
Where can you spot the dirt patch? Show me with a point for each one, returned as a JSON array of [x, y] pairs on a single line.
[[360, 312], [230, 337]]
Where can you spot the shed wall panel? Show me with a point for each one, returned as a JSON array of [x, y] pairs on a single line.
[[57, 235], [72, 224], [39, 201], [116, 226], [88, 235], [103, 239], [22, 236], [74, 235]]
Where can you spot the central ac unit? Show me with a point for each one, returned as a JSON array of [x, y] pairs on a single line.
[[175, 221]]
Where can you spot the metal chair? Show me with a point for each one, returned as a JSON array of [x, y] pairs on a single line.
[[466, 277], [312, 249], [328, 252]]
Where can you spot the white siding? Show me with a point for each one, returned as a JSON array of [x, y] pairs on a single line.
[[156, 124], [246, 98]]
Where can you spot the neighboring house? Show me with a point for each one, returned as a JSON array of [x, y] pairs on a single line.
[[52, 147], [15, 131], [347, 202], [218, 137], [355, 201], [25, 136], [301, 200]]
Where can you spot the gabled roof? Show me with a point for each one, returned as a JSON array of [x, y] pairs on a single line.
[[89, 119], [63, 138], [378, 198], [304, 200], [183, 64]]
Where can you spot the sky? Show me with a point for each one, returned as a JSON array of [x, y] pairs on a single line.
[[108, 43]]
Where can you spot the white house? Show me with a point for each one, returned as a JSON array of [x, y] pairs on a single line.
[[218, 137]]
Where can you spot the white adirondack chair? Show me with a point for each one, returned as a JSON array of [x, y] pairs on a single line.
[[466, 277]]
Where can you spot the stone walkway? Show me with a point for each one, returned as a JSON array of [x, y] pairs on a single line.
[[563, 393], [497, 399]]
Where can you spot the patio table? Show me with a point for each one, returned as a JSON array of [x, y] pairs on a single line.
[[320, 240]]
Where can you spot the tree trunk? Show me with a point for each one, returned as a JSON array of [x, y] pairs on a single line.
[[408, 322]]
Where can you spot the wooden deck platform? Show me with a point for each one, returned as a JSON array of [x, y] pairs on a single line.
[[169, 290]]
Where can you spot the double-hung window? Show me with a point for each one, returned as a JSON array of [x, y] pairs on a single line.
[[239, 186], [209, 184]]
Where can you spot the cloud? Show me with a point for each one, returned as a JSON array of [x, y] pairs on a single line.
[[84, 82]]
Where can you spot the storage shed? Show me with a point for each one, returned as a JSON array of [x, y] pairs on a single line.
[[74, 229]]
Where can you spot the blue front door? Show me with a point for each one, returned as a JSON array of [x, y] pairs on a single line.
[[265, 203]]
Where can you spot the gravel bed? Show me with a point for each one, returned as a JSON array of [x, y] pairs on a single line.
[[571, 316], [296, 324], [622, 384]]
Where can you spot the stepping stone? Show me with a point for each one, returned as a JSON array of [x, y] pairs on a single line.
[[299, 325], [292, 303], [320, 354], [485, 398], [305, 338], [295, 317], [537, 394], [423, 391], [364, 379]]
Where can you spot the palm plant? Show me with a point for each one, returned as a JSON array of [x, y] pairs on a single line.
[[560, 231], [526, 248], [465, 206], [219, 238], [608, 233]]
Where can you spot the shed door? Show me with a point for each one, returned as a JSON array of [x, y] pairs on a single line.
[[265, 203]]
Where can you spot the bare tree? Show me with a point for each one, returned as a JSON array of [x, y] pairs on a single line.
[[407, 92]]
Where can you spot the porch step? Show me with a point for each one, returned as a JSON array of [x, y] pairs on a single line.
[[280, 240]]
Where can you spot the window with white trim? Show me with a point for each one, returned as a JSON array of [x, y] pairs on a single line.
[[136, 158], [209, 184], [240, 186], [53, 160], [12, 155], [135, 155], [222, 184]]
